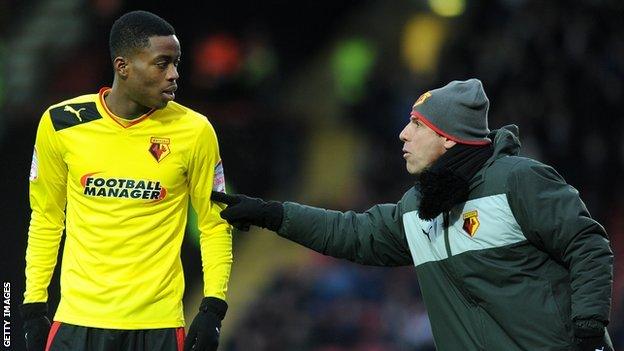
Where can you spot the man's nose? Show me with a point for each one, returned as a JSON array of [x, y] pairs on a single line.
[[403, 134], [172, 73]]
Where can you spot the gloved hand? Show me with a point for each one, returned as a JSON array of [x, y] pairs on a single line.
[[36, 325], [591, 335], [204, 332], [243, 211]]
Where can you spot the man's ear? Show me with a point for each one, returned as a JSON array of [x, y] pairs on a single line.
[[448, 143], [120, 66]]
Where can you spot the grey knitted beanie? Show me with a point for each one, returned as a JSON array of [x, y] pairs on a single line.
[[458, 111]]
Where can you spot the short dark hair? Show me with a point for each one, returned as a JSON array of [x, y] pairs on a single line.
[[133, 30]]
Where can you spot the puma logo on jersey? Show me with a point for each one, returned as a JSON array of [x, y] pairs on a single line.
[[72, 110], [74, 114], [426, 233]]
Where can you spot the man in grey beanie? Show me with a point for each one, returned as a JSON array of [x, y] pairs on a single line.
[[506, 253]]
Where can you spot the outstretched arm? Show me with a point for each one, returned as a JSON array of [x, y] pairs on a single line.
[[374, 237]]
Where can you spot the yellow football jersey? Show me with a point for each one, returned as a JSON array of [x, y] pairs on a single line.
[[120, 189]]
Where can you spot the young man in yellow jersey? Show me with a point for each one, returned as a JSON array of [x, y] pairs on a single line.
[[115, 170]]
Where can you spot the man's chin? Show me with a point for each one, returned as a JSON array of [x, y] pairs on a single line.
[[160, 105], [413, 170]]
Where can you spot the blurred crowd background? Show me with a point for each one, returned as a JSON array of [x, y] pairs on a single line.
[[308, 98]]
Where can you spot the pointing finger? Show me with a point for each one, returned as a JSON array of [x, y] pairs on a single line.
[[224, 198]]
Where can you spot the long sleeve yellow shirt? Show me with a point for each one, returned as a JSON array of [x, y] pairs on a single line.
[[120, 189]]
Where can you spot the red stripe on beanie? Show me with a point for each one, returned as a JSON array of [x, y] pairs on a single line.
[[416, 114]]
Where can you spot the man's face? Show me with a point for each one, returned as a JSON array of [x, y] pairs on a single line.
[[421, 145], [153, 71]]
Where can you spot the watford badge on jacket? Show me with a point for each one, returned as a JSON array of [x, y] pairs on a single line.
[[471, 222], [159, 148]]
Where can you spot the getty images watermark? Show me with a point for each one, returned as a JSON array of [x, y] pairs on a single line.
[[6, 314]]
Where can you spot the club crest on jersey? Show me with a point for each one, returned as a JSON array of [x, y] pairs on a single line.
[[471, 222], [159, 148]]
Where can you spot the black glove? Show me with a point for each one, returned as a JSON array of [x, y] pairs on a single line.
[[243, 211], [204, 332], [591, 335], [36, 325]]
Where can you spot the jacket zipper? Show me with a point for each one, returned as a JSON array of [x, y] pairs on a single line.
[[451, 268], [451, 271], [447, 242]]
